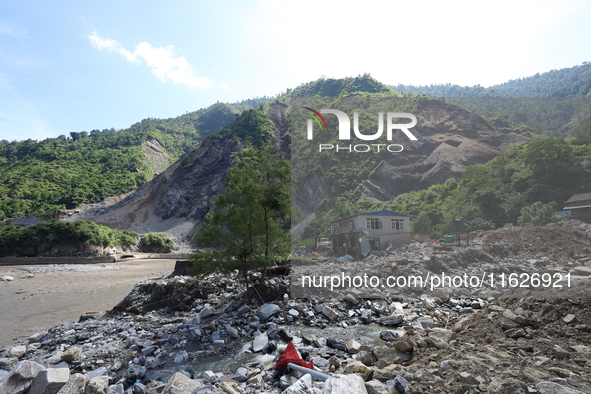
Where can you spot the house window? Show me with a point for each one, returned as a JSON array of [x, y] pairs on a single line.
[[336, 229], [374, 224], [351, 225], [397, 224]]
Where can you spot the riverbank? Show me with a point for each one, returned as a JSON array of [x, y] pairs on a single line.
[[39, 301], [18, 261]]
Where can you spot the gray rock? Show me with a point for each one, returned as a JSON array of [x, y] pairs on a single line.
[[50, 381], [149, 350], [336, 344], [3, 374], [259, 342], [443, 334], [179, 383], [391, 320], [232, 332], [231, 307], [353, 346], [342, 384], [366, 317], [241, 374], [304, 384], [18, 351], [388, 335], [75, 385], [376, 387], [321, 363], [209, 377], [102, 371], [267, 311], [181, 357], [404, 344], [97, 385], [560, 353], [468, 379], [20, 378], [118, 389], [243, 309], [72, 354], [570, 318], [555, 388], [195, 334], [330, 313]]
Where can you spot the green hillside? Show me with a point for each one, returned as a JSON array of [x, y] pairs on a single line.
[[567, 82], [36, 178]]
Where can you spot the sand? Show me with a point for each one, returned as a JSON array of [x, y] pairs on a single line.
[[30, 305]]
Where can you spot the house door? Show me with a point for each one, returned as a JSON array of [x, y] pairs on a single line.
[[374, 243]]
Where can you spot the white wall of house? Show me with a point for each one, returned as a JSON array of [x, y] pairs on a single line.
[[395, 229]]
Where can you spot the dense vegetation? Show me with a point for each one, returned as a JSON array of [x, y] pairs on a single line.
[[567, 82], [59, 234], [526, 184], [37, 178], [156, 242]]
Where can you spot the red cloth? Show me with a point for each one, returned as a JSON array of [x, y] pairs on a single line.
[[290, 355]]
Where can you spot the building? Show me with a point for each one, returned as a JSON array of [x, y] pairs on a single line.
[[580, 207], [357, 234]]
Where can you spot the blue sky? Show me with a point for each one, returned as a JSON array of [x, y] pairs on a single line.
[[72, 66]]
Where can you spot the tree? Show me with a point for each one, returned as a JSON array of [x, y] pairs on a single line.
[[582, 134], [539, 214], [248, 226]]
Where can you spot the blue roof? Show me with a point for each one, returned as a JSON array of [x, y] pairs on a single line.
[[377, 213]]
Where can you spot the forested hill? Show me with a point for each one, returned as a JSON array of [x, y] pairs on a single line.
[[36, 178], [567, 82]]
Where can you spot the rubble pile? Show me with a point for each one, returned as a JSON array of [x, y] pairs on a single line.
[[188, 335]]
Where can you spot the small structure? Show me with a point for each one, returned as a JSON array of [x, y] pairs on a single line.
[[420, 237], [580, 207], [358, 234]]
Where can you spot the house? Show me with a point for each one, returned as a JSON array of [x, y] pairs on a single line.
[[369, 231], [580, 207]]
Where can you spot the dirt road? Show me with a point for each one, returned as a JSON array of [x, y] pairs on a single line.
[[29, 305]]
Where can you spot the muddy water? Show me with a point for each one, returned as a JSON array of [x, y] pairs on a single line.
[[29, 305]]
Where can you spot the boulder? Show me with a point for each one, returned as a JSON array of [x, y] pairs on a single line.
[[97, 385], [344, 384], [72, 354], [20, 378], [50, 381], [330, 313], [75, 385], [443, 334], [267, 311], [180, 384], [376, 387], [259, 342], [303, 385], [18, 351], [241, 375], [555, 388]]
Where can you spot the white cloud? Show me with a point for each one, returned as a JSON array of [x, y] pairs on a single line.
[[164, 64], [7, 29]]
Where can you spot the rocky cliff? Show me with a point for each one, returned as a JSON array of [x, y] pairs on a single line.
[[177, 200]]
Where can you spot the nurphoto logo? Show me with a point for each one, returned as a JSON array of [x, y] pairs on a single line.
[[345, 130]]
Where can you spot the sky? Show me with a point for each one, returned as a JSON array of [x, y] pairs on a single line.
[[78, 66]]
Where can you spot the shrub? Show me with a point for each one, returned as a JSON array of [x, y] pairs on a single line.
[[156, 242]]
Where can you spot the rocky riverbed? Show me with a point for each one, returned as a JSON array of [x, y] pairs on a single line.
[[188, 335]]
